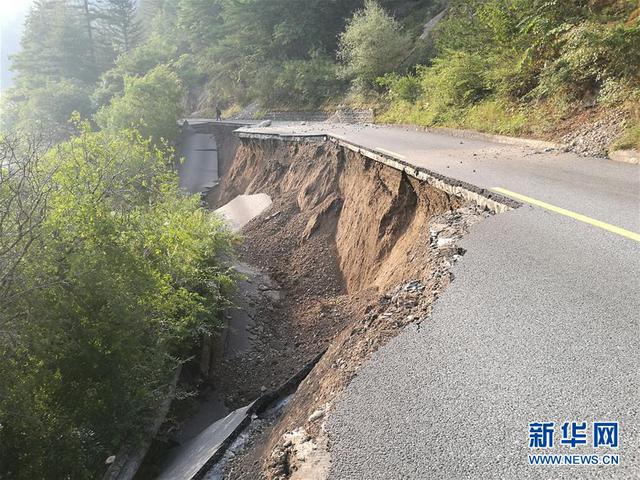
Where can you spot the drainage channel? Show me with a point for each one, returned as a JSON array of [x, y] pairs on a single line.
[[227, 432], [206, 455]]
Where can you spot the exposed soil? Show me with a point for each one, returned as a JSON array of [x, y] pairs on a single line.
[[360, 251]]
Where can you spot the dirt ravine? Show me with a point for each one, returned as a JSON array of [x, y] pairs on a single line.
[[359, 251]]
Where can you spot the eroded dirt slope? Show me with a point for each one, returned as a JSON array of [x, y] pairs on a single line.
[[360, 251]]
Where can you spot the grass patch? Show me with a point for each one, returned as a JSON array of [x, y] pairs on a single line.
[[496, 117], [489, 116], [630, 139]]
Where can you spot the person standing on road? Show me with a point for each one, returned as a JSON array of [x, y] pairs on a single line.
[[218, 115]]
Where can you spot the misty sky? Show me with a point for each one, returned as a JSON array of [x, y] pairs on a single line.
[[12, 14]]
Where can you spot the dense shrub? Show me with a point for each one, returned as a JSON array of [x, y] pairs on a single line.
[[303, 83], [403, 88], [156, 50], [45, 107], [590, 54], [123, 276], [152, 103], [371, 45], [500, 60]]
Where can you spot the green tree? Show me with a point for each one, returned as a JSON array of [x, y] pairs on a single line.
[[153, 103], [304, 83], [119, 27], [55, 69], [55, 44], [148, 10], [371, 45], [201, 22], [24, 193], [47, 106], [156, 50], [246, 44], [124, 274]]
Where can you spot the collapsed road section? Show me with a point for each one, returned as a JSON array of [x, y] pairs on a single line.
[[361, 249], [358, 246]]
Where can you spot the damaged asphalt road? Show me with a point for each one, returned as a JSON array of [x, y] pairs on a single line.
[[540, 324], [537, 326]]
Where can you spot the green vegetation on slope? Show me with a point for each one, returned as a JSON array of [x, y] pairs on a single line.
[[152, 103], [223, 52], [506, 66], [372, 44], [108, 277], [519, 67], [631, 138]]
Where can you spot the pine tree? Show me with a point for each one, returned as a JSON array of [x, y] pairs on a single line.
[[55, 44], [147, 11], [88, 13], [120, 29]]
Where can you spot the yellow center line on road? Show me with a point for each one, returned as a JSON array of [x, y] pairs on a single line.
[[389, 152], [568, 213]]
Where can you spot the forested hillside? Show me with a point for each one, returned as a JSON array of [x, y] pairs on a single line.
[[510, 66], [82, 55]]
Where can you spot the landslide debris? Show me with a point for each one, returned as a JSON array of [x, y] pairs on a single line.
[[593, 133], [359, 251]]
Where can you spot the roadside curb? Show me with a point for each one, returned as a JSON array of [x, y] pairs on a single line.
[[625, 156], [486, 198]]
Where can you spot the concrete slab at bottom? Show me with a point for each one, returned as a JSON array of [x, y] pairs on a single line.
[[190, 459], [244, 208]]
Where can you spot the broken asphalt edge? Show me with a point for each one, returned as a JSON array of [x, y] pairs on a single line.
[[483, 197], [486, 198]]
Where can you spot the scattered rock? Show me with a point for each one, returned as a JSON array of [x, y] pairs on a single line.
[[317, 415], [299, 457], [594, 138], [443, 242]]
